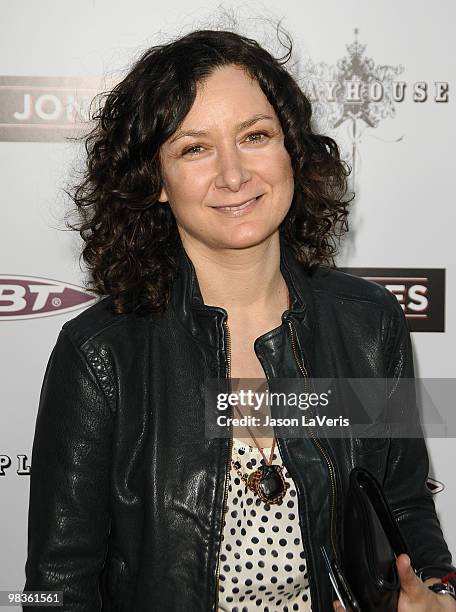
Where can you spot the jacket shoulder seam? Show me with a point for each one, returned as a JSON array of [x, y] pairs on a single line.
[[352, 298], [91, 335], [103, 372], [98, 367]]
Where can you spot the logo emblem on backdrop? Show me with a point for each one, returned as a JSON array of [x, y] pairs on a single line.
[[420, 291], [44, 109], [28, 297], [356, 93]]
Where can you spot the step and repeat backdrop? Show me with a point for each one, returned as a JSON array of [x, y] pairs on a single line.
[[381, 79]]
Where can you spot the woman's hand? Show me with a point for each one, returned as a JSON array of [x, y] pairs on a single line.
[[414, 595]]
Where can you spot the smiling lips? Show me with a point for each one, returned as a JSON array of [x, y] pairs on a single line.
[[237, 207]]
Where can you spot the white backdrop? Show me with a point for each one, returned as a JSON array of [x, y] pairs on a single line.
[[403, 217]]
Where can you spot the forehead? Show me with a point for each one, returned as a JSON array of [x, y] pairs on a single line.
[[229, 94]]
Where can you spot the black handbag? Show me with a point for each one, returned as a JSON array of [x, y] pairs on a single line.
[[372, 541]]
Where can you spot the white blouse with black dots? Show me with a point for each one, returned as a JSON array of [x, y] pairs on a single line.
[[262, 563]]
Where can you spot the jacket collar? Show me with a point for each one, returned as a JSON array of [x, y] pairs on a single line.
[[204, 322]]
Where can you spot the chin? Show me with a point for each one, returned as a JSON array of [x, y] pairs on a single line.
[[243, 238]]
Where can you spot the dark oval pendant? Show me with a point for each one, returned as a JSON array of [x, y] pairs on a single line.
[[268, 483]]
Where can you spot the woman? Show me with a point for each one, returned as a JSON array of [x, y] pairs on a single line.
[[210, 212]]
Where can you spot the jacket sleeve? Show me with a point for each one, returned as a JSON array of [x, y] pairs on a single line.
[[68, 519], [408, 464]]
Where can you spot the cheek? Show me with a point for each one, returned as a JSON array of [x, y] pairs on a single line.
[[283, 177], [279, 167], [186, 191]]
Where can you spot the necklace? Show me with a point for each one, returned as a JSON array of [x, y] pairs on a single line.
[[267, 481]]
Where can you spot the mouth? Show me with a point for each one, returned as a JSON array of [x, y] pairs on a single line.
[[237, 207]]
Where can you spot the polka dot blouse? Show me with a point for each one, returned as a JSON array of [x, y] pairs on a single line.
[[262, 563]]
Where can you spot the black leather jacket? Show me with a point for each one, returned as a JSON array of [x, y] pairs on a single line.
[[127, 495]]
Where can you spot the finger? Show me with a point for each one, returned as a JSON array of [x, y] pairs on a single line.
[[337, 607], [410, 583]]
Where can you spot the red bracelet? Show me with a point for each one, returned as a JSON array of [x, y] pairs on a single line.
[[447, 578]]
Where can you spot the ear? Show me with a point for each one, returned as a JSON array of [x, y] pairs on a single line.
[[163, 197]]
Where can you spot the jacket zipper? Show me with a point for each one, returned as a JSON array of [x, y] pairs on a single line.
[[317, 443], [225, 496], [315, 440]]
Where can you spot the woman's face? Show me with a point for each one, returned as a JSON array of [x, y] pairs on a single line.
[[228, 150]]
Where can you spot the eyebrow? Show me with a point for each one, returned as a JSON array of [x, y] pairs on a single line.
[[240, 126]]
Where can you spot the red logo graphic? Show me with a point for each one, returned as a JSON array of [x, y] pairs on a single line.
[[27, 297]]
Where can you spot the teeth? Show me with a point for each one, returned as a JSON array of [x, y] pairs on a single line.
[[240, 207]]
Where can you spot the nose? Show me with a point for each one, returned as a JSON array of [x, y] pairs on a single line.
[[231, 170]]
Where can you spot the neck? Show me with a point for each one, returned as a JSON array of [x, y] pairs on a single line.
[[242, 281]]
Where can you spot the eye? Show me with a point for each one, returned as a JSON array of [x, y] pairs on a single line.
[[257, 134], [192, 150]]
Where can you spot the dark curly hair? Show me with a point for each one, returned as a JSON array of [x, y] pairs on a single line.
[[130, 237]]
